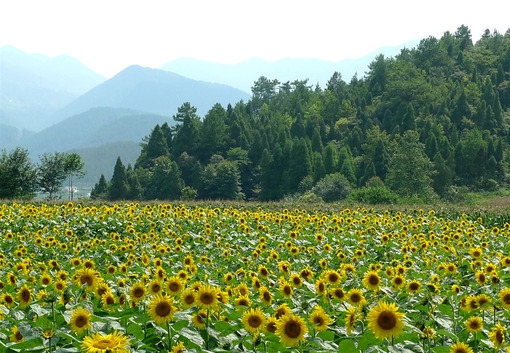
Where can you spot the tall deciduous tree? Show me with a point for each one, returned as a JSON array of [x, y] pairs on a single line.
[[410, 172], [73, 167], [51, 174], [18, 175]]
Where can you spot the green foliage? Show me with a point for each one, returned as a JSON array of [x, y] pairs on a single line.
[[333, 187], [18, 175], [51, 174]]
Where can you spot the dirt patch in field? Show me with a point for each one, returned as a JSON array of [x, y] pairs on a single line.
[[500, 202]]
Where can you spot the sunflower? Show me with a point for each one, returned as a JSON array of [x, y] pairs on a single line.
[[413, 286], [371, 280], [460, 347], [7, 299], [332, 277], [291, 329], [351, 317], [355, 297], [137, 292], [480, 277], [337, 293], [271, 324], [60, 285], [497, 335], [207, 296], [398, 281], [385, 320], [504, 296], [86, 277], [285, 288], [296, 280], [80, 320], [474, 324], [16, 335], [199, 319], [282, 310], [188, 298], [242, 300], [265, 295], [161, 309], [24, 296], [108, 298], [254, 321], [178, 348], [155, 286], [98, 343], [175, 285], [320, 319], [320, 287], [45, 279]]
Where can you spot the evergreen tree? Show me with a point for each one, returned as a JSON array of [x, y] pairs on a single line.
[[100, 189], [165, 182], [119, 186]]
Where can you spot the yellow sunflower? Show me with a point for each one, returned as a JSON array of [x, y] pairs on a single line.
[[87, 277], [80, 320], [385, 320], [108, 298], [371, 280], [178, 348], [175, 285], [355, 297], [161, 309], [207, 296], [474, 324], [332, 277], [155, 286], [24, 295], [337, 293], [291, 329], [188, 298], [413, 286], [320, 319], [199, 319], [285, 288], [111, 343], [504, 296], [497, 335], [265, 295], [7, 299], [16, 335], [137, 292], [460, 347], [254, 321], [351, 317]]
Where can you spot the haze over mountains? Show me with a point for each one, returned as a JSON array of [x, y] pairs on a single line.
[[58, 104]]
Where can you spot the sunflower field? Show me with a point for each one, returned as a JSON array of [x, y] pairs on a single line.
[[174, 278]]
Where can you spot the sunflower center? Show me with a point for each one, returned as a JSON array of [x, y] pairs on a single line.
[[109, 300], [267, 296], [254, 321], [206, 298], [318, 320], [373, 280], [287, 290], [413, 286], [156, 288], [333, 277], [292, 329], [138, 293], [506, 299], [25, 295], [81, 321], [321, 287], [104, 343], [86, 279], [163, 309], [355, 297], [386, 320], [8, 299], [189, 299], [271, 327], [173, 286], [19, 336]]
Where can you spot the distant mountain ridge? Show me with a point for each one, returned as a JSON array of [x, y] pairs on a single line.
[[34, 86], [153, 91], [244, 74]]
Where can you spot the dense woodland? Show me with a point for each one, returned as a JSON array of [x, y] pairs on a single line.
[[432, 122]]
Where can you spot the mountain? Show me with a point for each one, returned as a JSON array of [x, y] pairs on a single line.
[[34, 86], [244, 74], [154, 91], [95, 127]]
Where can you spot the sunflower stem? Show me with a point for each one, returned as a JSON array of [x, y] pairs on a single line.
[[169, 336]]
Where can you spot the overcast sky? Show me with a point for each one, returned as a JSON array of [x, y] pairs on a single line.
[[109, 35]]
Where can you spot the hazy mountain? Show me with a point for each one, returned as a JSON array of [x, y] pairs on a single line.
[[153, 90], [93, 128], [128, 151], [34, 86], [244, 74]]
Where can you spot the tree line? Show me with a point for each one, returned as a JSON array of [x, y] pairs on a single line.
[[20, 178], [430, 123]]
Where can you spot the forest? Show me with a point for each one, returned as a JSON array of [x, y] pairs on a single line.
[[430, 123]]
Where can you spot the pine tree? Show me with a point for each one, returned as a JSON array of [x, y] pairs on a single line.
[[119, 186]]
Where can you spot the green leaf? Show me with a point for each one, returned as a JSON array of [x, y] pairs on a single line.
[[346, 346], [368, 340]]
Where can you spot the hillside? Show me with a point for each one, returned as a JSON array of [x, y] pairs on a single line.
[[34, 86], [244, 74], [154, 91], [95, 127]]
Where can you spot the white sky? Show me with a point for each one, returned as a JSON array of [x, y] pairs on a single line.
[[109, 35]]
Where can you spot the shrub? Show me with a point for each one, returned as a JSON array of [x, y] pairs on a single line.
[[333, 187]]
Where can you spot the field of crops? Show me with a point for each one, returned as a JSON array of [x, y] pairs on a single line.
[[173, 278]]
